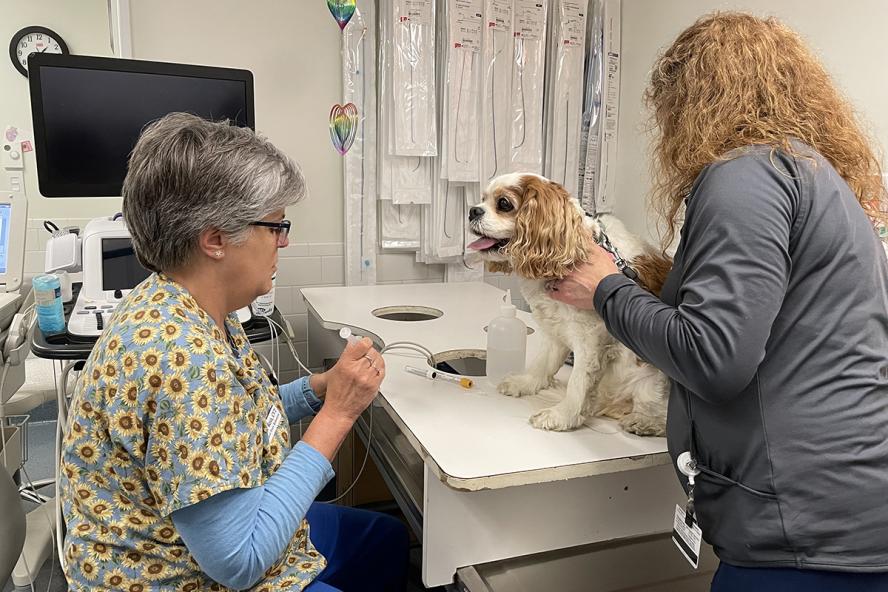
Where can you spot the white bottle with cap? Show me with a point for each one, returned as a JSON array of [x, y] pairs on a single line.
[[263, 306], [506, 343]]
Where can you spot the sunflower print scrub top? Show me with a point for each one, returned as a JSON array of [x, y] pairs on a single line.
[[166, 413]]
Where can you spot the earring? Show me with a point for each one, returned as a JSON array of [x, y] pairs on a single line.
[[218, 254]]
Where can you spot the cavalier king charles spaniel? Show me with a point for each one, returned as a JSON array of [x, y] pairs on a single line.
[[531, 226]]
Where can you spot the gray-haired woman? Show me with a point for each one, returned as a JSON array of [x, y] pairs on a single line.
[[177, 470]]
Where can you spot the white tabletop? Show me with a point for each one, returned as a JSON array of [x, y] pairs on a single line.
[[474, 439]]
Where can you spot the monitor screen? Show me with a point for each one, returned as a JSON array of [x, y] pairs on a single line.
[[5, 215], [88, 113], [121, 269]]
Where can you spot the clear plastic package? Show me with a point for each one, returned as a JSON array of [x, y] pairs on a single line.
[[565, 93], [413, 78], [359, 170], [496, 84], [528, 81], [462, 109]]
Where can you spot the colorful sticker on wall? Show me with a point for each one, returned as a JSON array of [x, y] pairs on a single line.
[[342, 11], [343, 126]]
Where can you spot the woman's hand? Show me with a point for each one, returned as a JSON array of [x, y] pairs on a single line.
[[578, 287], [354, 381], [349, 387]]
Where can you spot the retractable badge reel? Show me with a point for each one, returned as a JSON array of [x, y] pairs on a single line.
[[686, 533]]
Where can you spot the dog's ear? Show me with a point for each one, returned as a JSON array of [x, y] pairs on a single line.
[[499, 267], [652, 268], [550, 239]]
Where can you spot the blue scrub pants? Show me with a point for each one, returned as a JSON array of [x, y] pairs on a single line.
[[365, 551], [730, 578]]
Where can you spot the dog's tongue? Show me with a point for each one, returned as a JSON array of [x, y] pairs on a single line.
[[482, 243]]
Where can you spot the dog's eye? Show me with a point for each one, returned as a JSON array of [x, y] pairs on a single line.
[[504, 205]]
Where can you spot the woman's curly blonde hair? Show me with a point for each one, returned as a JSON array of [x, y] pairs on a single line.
[[732, 80]]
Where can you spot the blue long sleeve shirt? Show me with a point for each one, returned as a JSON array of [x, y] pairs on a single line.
[[264, 517]]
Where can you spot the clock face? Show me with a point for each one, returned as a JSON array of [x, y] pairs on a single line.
[[35, 43], [34, 40]]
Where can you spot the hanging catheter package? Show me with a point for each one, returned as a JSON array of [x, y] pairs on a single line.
[[400, 226], [463, 95], [606, 192], [410, 79], [384, 143], [413, 78], [412, 179], [528, 81], [448, 219], [590, 140], [359, 88], [565, 104], [496, 81]]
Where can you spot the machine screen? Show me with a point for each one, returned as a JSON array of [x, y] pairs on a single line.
[[5, 213], [120, 268], [92, 119]]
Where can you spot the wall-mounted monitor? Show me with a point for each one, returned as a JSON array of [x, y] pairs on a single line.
[[88, 113]]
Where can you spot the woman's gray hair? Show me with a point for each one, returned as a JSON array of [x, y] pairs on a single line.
[[187, 174]]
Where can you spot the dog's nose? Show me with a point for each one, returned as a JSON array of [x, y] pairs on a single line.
[[475, 213]]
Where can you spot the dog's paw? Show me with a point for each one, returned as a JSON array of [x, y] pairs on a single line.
[[642, 425], [556, 419], [519, 385]]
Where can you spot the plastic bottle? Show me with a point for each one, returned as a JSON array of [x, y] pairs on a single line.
[[263, 306], [48, 301], [506, 343]]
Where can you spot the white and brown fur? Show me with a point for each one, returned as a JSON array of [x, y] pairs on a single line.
[[543, 234]]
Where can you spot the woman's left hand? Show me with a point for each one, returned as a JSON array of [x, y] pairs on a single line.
[[578, 287]]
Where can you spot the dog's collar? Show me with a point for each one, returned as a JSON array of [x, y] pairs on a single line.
[[605, 243]]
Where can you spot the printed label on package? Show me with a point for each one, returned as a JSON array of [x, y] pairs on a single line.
[[530, 18], [416, 12], [465, 29], [499, 15], [573, 23]]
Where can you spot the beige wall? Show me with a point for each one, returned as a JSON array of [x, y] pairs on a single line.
[[850, 38], [84, 27], [292, 48]]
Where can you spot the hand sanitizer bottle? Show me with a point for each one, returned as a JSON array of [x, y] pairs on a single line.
[[506, 343]]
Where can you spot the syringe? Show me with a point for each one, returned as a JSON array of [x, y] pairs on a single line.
[[431, 374], [346, 334]]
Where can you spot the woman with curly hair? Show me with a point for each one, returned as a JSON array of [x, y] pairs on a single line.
[[773, 322]]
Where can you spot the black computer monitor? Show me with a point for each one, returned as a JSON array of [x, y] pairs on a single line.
[[88, 113]]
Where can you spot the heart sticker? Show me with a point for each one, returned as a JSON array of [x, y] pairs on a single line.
[[343, 126], [342, 11]]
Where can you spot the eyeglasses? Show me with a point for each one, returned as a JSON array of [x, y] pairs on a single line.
[[281, 229]]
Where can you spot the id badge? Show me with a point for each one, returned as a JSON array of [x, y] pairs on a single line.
[[687, 538], [272, 421]]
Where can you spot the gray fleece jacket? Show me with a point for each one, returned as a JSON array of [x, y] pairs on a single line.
[[773, 327]]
